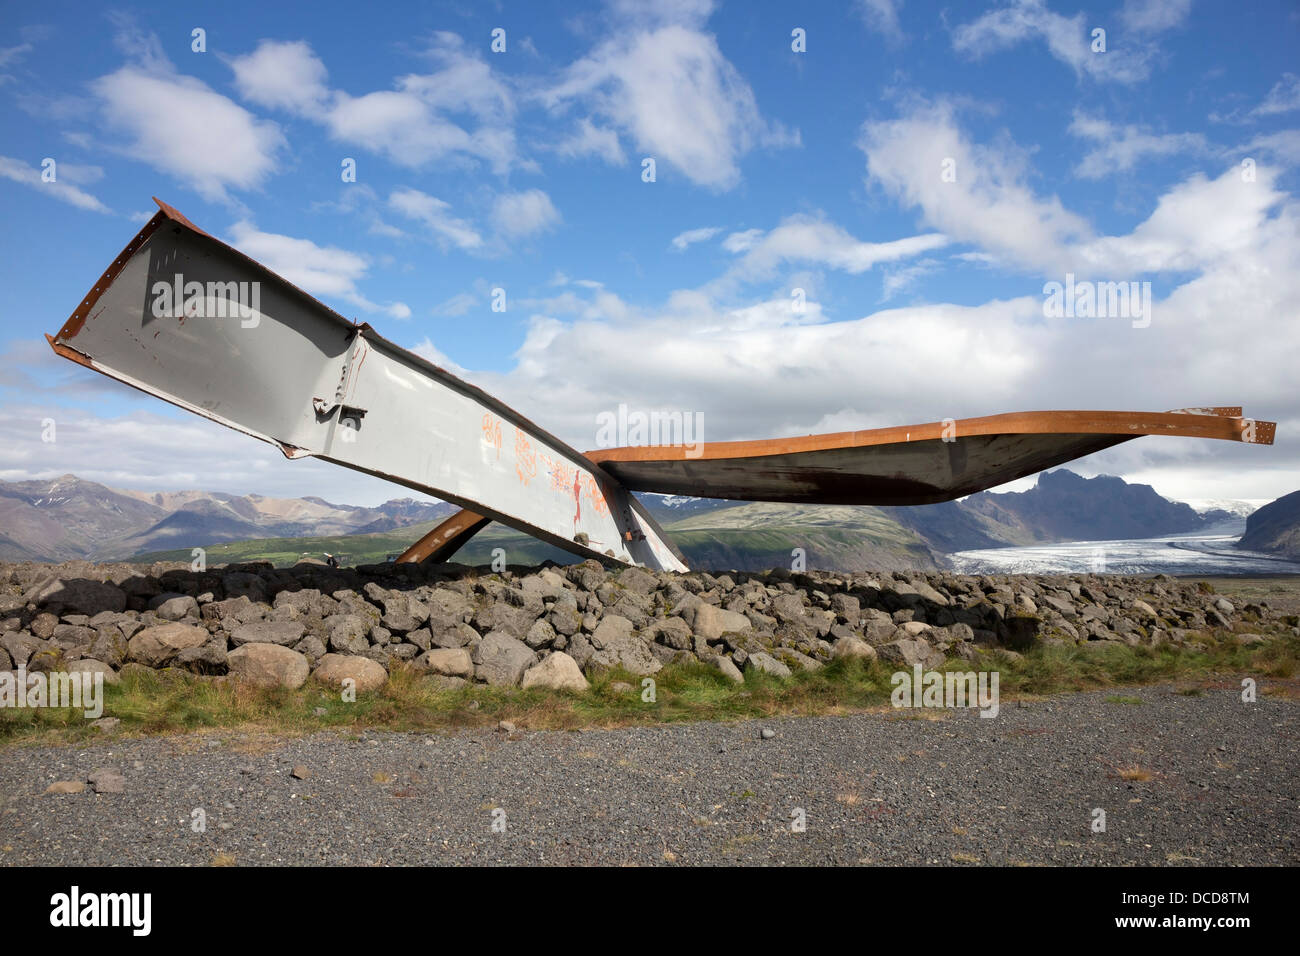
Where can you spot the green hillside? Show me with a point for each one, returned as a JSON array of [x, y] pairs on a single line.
[[284, 552], [745, 537]]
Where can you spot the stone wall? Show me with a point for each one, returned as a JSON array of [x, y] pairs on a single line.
[[554, 626]]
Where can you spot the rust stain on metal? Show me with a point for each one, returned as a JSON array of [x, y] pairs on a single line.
[[446, 538], [1012, 423], [70, 353], [172, 213]]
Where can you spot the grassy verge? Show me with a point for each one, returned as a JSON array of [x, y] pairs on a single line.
[[177, 702]]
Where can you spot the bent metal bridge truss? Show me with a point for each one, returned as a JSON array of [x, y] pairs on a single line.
[[290, 371]]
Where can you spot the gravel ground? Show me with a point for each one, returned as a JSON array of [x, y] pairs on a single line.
[[875, 788]]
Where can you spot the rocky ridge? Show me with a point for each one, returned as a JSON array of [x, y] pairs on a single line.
[[553, 626]]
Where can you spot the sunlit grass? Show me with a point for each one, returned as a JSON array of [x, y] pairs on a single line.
[[151, 702]]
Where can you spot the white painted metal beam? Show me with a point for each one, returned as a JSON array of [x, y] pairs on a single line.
[[284, 368]]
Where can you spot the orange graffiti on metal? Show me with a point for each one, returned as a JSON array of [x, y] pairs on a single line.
[[592, 490], [561, 474], [525, 457], [492, 432]]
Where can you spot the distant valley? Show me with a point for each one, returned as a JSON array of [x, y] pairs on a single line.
[[70, 518]]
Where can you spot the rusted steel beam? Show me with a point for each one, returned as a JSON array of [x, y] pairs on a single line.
[[907, 464], [446, 538]]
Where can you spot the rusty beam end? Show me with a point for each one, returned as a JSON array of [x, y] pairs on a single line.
[[446, 538]]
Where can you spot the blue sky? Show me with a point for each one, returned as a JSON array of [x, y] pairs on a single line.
[[776, 170]]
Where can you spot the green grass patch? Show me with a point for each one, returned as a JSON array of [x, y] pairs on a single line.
[[167, 701]]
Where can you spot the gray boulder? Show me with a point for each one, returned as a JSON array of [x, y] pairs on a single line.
[[624, 650], [366, 675], [501, 659], [612, 627], [176, 608], [557, 671], [767, 664], [910, 652], [673, 632], [21, 646], [712, 622], [285, 633], [461, 635], [88, 666], [853, 647], [348, 633], [158, 645], [402, 612], [728, 668], [209, 658], [269, 665], [447, 661]]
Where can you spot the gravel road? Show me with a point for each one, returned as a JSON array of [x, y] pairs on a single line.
[[892, 787]]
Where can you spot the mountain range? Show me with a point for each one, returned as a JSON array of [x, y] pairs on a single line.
[[69, 518], [1275, 528], [1062, 506]]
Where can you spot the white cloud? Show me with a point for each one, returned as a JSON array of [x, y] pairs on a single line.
[[593, 140], [435, 215], [1284, 146], [668, 87], [321, 270], [11, 56], [1198, 224], [742, 241], [691, 236], [178, 125], [430, 353], [806, 239], [1068, 39], [988, 204], [1152, 16], [901, 278], [1195, 224], [695, 355], [460, 111], [1223, 331], [61, 189], [526, 213], [146, 450], [361, 200], [1121, 148], [81, 174], [882, 16], [456, 306], [1282, 98], [286, 76]]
